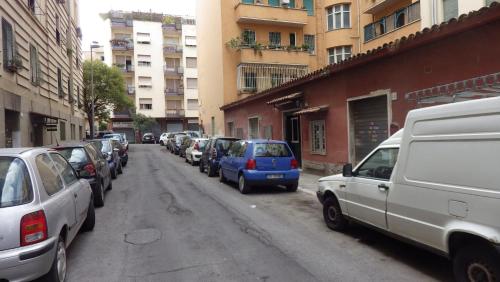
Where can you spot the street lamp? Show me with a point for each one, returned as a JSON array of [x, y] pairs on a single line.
[[94, 45]]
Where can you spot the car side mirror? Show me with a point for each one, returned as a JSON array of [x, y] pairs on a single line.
[[347, 170]]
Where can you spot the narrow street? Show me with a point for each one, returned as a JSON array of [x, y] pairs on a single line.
[[165, 221]]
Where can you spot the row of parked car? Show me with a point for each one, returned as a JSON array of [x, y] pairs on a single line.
[[47, 195], [248, 163]]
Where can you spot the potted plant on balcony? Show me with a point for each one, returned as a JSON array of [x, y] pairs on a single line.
[[257, 48], [14, 64]]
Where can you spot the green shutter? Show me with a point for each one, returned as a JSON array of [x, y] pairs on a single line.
[[247, 1], [308, 4], [292, 4], [274, 2]]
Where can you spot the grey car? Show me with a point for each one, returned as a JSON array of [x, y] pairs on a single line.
[[43, 205]]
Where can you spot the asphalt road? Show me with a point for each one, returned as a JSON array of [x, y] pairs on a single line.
[[165, 221]]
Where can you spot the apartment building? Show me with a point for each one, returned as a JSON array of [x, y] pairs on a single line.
[[151, 49], [41, 73], [437, 11]]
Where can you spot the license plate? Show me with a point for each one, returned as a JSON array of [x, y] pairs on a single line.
[[274, 176]]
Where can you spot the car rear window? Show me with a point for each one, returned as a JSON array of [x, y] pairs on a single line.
[[273, 150], [202, 144], [224, 144], [74, 155], [15, 183], [113, 136]]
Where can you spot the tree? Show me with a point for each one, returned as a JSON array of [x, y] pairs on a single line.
[[109, 91], [143, 123]]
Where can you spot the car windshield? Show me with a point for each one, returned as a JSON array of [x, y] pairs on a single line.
[[113, 136], [15, 182], [74, 155], [274, 150]]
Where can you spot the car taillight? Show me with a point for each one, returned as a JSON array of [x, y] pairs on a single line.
[[89, 169], [294, 164], [33, 228], [196, 146], [214, 153], [251, 164]]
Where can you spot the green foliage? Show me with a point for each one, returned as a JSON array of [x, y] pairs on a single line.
[[109, 90], [143, 123]]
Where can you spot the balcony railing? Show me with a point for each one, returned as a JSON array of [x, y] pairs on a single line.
[[121, 23], [175, 113], [131, 90], [257, 12], [172, 48], [125, 68], [400, 18], [172, 28], [122, 44], [174, 91], [258, 77], [177, 71]]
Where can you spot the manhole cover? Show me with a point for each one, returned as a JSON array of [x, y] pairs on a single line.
[[143, 236]]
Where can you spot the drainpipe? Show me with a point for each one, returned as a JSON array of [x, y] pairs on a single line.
[[434, 12]]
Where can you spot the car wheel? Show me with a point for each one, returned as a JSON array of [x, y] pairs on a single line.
[[222, 179], [292, 187], [59, 266], [476, 263], [99, 195], [120, 167], [202, 167], [193, 163], [161, 143], [89, 223], [124, 164], [114, 173], [333, 216], [243, 185], [210, 170], [110, 185]]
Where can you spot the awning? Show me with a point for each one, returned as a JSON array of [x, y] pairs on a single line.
[[312, 110], [285, 98]]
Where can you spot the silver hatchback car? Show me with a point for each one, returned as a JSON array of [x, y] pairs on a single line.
[[43, 205]]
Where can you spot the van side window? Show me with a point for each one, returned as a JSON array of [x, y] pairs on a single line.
[[379, 165]]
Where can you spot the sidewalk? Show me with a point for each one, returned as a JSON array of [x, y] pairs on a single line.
[[308, 183]]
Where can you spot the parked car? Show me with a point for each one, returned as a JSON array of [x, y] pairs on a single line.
[[195, 149], [171, 140], [122, 138], [41, 197], [186, 141], [148, 138], [111, 154], [164, 139], [434, 183], [214, 150], [259, 163], [122, 152], [177, 142], [193, 134], [100, 134], [90, 164]]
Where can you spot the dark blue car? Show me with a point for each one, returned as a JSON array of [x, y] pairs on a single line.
[[214, 150], [260, 163]]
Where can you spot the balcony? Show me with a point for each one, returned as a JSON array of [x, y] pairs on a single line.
[[392, 22], [121, 23], [172, 29], [172, 49], [174, 91], [175, 72], [275, 55], [122, 44], [270, 15], [252, 78], [131, 90], [125, 68], [381, 5], [175, 113]]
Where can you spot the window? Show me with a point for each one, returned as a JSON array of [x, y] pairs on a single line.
[[310, 42], [62, 130], [144, 60], [230, 129], [248, 37], [276, 79], [102, 58], [268, 132], [70, 91], [192, 104], [145, 103], [190, 40], [9, 52], [338, 54], [192, 83], [488, 2], [60, 91], [51, 180], [293, 39], [64, 169], [74, 155], [450, 9], [31, 5], [145, 82], [278, 150], [58, 33], [309, 5], [253, 128], [379, 165], [34, 66], [79, 101], [274, 39], [191, 62], [80, 132], [143, 38], [15, 187], [318, 137], [73, 131], [250, 79], [338, 16]]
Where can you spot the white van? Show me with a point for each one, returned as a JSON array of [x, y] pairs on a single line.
[[435, 183]]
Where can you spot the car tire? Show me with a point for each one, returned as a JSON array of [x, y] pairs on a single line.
[[89, 223], [210, 170], [292, 187], [161, 143], [99, 196], [110, 185], [243, 185], [193, 163], [120, 167], [186, 160], [333, 216], [222, 179], [114, 173], [124, 164], [201, 167], [476, 263], [59, 266]]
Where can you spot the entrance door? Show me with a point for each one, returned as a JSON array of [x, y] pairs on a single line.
[[292, 135], [369, 125], [38, 135], [12, 132]]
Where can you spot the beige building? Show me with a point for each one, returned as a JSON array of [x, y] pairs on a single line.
[[437, 11], [40, 73]]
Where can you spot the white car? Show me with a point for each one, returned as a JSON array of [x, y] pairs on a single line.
[[435, 183], [164, 139], [195, 149]]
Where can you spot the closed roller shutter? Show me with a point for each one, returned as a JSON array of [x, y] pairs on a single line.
[[174, 127], [370, 124]]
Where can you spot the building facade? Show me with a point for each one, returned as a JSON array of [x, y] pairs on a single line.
[[41, 73], [153, 51], [329, 118]]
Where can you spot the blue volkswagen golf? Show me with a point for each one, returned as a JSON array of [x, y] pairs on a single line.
[[259, 163]]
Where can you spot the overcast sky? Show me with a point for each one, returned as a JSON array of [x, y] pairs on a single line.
[[93, 27]]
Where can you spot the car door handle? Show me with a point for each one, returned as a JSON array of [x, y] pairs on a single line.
[[382, 187]]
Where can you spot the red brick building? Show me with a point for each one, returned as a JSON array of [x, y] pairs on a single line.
[[341, 112]]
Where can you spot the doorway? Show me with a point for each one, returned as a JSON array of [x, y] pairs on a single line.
[[12, 131], [292, 134]]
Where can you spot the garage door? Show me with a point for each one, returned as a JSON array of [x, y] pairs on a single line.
[[369, 119], [174, 127], [129, 132]]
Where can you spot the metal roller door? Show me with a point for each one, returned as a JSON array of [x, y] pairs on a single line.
[[369, 124], [175, 127]]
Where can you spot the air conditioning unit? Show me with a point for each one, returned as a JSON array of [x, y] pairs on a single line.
[[285, 3]]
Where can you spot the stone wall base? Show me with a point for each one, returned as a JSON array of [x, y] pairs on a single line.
[[321, 168]]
